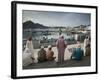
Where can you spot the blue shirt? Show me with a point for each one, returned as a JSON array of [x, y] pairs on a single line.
[[78, 53]]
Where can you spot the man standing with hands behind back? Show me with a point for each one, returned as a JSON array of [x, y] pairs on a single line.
[[61, 46]]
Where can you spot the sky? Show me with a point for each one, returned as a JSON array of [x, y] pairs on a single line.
[[49, 18]]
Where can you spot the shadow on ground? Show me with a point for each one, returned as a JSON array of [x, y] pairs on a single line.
[[86, 61]]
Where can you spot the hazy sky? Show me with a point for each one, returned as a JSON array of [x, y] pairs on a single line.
[[57, 18]]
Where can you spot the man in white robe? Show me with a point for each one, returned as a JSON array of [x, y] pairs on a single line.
[[28, 54]]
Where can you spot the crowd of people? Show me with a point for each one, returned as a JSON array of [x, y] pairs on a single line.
[[77, 52]]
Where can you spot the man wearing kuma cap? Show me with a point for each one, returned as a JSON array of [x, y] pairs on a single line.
[[41, 55], [50, 54]]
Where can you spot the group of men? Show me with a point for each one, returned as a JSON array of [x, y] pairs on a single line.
[[77, 52], [61, 46], [45, 55]]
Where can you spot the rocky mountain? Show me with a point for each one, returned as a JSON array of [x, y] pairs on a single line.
[[32, 25]]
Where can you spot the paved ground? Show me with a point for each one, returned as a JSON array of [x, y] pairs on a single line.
[[67, 54], [86, 61]]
